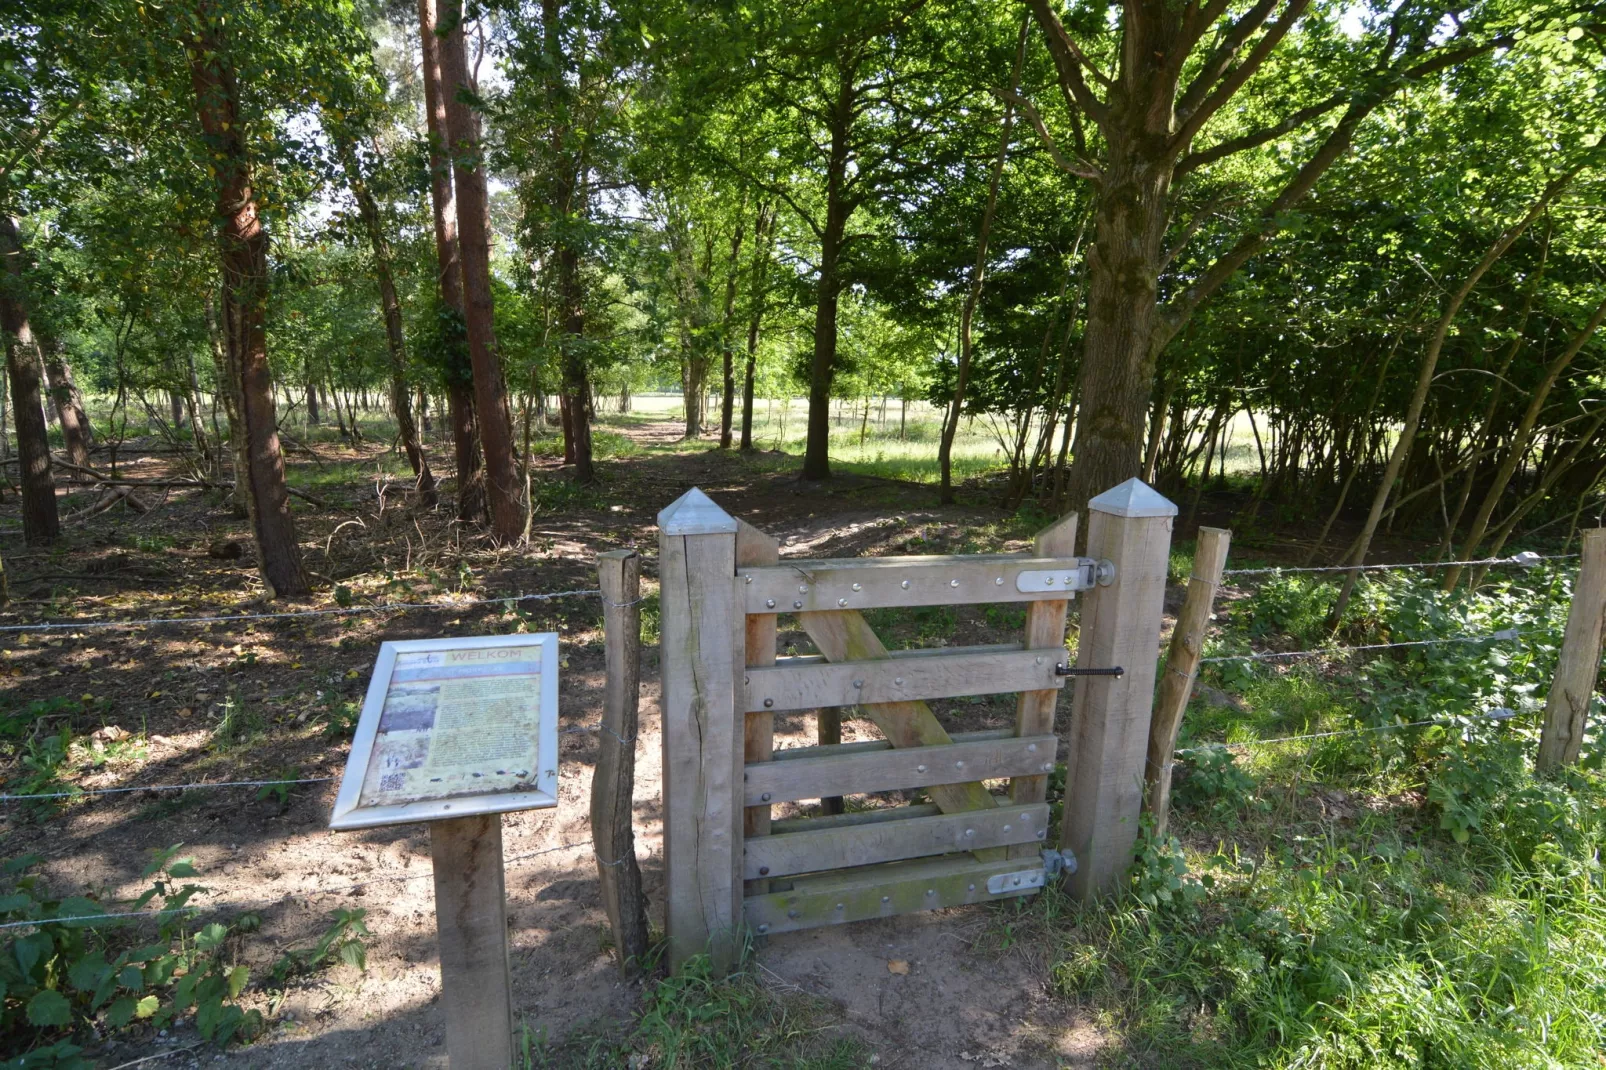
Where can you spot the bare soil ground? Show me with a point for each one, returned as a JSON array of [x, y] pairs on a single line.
[[291, 686]]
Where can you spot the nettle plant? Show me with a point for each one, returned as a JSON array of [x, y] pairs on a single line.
[[69, 974]]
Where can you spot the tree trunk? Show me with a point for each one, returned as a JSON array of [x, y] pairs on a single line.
[[40, 521], [822, 365], [1521, 439], [763, 235], [457, 376], [228, 379], [395, 340], [76, 432], [576, 387], [978, 275], [314, 418], [727, 408], [474, 251], [244, 250]]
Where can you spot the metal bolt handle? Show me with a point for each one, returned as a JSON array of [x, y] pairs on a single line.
[[1066, 670]]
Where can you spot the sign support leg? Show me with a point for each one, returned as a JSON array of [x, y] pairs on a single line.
[[471, 926]]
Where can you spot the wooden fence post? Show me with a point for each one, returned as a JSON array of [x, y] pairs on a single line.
[[1567, 706], [1181, 669], [703, 629], [1129, 525], [613, 785], [471, 925]]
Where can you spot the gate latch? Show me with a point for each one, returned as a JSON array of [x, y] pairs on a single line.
[[1066, 670]]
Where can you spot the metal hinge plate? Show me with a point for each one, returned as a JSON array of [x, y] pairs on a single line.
[[999, 883], [1085, 575]]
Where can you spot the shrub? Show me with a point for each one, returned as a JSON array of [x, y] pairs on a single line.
[[61, 974]]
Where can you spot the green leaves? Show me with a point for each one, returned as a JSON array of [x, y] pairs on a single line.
[[49, 1008]]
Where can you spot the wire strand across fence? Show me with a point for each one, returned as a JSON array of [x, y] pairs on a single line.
[[247, 904], [1272, 655], [204, 784], [1500, 713], [1526, 559]]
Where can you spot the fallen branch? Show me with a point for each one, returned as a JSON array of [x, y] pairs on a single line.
[[119, 494]]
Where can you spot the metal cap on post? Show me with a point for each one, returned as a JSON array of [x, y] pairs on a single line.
[[702, 628], [1130, 525]]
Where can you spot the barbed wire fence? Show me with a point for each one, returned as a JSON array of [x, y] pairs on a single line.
[[1525, 559], [451, 605], [1192, 649]]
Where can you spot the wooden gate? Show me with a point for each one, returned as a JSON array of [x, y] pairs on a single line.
[[729, 865]]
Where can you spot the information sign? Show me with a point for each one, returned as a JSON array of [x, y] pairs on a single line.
[[452, 728]]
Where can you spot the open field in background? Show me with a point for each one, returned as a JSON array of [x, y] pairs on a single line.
[[1393, 897]]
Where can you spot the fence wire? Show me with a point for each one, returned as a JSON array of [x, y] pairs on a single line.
[[335, 611], [251, 904], [1272, 655], [1525, 559], [205, 784], [1499, 713]]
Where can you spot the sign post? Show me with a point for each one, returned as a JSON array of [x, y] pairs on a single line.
[[457, 732]]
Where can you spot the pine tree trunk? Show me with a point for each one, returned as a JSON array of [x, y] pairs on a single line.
[[395, 339], [576, 388], [474, 251], [458, 379], [40, 521], [244, 250]]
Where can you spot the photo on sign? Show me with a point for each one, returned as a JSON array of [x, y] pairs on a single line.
[[463, 719]]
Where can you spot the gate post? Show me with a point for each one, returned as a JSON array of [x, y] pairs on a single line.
[[703, 626], [1129, 525]]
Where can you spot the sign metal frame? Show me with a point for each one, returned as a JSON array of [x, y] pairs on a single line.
[[544, 794]]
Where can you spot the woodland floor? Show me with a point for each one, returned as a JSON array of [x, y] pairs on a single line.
[[291, 688]]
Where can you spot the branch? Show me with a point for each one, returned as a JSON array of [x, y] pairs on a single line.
[[1190, 230], [1259, 137], [1234, 79], [1229, 42], [1068, 61], [1076, 165], [1196, 20], [1177, 311]]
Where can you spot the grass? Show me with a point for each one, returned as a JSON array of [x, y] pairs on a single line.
[[696, 1020], [1405, 898]]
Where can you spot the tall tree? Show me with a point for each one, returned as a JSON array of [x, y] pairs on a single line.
[[24, 372], [849, 100], [978, 276], [453, 358], [243, 245], [474, 252], [395, 339], [1137, 97]]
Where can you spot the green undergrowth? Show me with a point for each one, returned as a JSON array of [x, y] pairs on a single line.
[[1394, 895], [1373, 942], [695, 1020], [76, 971]]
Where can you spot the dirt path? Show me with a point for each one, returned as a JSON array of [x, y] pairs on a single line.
[[960, 1005]]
